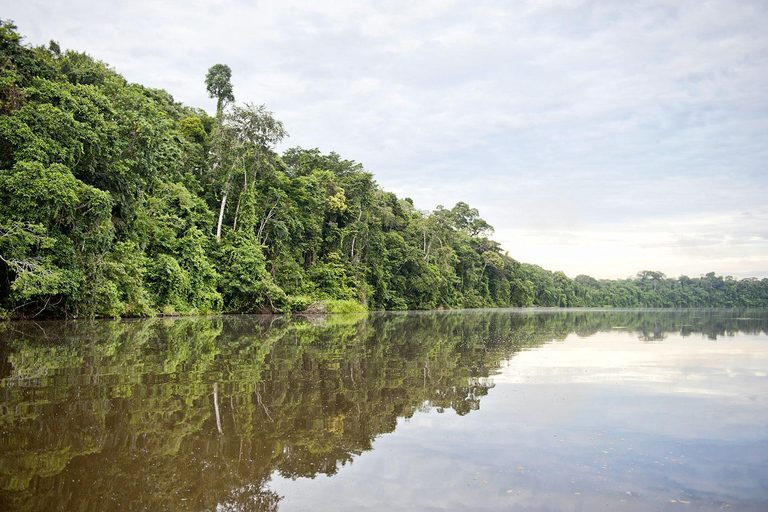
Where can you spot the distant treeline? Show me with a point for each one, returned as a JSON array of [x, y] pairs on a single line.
[[115, 200]]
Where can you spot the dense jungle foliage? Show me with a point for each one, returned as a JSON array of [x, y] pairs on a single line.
[[115, 200]]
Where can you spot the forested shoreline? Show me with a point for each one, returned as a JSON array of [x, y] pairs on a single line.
[[116, 200]]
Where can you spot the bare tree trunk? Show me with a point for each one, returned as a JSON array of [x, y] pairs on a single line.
[[354, 238], [234, 410], [258, 399], [237, 210], [223, 206], [240, 198], [264, 221], [216, 406]]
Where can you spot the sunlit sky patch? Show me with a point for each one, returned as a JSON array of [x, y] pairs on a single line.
[[597, 137]]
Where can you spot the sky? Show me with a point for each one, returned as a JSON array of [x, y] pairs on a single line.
[[597, 137]]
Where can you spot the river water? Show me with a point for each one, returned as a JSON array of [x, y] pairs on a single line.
[[463, 410]]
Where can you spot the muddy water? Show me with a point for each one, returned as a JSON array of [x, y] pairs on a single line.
[[480, 410]]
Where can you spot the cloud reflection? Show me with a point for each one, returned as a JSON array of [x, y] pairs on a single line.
[[606, 420]]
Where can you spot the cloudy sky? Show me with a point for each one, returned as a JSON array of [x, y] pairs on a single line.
[[600, 137]]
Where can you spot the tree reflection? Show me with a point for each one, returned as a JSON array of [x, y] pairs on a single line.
[[199, 413]]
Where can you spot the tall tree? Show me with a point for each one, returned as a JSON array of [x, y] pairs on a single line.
[[219, 86], [245, 138]]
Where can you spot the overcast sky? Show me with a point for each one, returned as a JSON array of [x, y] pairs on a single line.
[[599, 138]]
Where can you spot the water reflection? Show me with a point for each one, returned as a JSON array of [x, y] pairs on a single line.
[[200, 413]]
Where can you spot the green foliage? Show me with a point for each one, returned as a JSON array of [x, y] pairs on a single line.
[[219, 86], [299, 302], [246, 285], [193, 129], [115, 200], [344, 306], [125, 269]]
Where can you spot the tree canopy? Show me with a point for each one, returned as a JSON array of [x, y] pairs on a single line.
[[218, 84], [116, 200]]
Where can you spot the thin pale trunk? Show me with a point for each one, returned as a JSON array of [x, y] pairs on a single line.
[[216, 406], [234, 410], [237, 210], [239, 199], [264, 221], [354, 238], [258, 399], [223, 206]]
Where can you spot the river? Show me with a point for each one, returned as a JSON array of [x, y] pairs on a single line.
[[452, 410]]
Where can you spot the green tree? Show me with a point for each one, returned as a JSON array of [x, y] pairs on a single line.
[[218, 84], [243, 144]]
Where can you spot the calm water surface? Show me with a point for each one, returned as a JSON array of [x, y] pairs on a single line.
[[481, 410]]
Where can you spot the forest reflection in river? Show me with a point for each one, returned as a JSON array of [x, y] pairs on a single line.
[[261, 413]]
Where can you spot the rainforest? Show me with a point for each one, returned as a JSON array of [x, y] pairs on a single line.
[[117, 201]]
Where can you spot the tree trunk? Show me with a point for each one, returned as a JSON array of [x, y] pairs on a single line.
[[264, 221], [216, 406], [237, 210], [240, 199], [223, 206]]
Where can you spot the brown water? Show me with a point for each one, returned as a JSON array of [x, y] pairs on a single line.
[[472, 410]]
